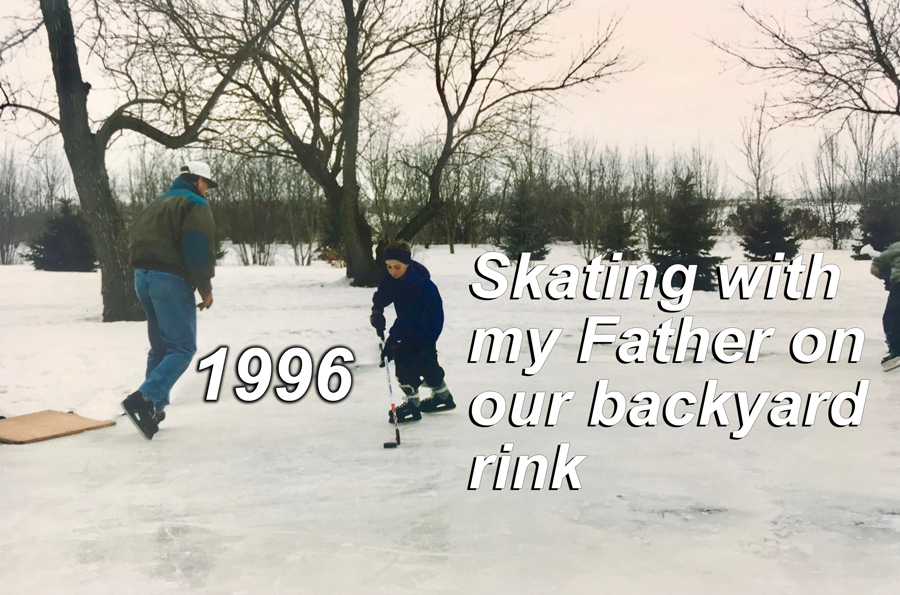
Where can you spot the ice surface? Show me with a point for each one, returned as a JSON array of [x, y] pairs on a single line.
[[275, 498]]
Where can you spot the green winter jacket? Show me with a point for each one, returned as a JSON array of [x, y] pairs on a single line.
[[176, 233], [887, 264]]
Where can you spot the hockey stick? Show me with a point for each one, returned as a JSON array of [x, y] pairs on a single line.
[[386, 364]]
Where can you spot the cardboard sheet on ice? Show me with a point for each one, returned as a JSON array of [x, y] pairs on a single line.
[[44, 425]]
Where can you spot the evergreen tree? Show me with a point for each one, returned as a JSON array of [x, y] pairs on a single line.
[[617, 231], [687, 234], [66, 244], [765, 230], [879, 215], [524, 231]]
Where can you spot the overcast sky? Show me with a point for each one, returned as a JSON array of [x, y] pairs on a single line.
[[684, 92]]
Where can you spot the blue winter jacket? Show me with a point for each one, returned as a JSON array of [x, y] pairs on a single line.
[[420, 311], [176, 233]]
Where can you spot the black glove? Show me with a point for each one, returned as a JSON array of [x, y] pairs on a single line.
[[378, 321], [390, 349]]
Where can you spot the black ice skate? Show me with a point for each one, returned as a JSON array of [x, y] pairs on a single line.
[[440, 400], [142, 413], [409, 410], [890, 362], [405, 413]]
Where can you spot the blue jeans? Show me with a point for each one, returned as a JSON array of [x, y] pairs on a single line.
[[168, 301]]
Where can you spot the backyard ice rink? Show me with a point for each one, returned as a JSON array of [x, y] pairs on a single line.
[[270, 498]]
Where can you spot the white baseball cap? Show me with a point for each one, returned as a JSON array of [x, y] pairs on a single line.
[[199, 168]]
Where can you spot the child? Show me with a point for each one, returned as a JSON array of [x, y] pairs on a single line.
[[886, 266], [412, 341]]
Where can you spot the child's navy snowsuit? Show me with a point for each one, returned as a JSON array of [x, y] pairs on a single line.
[[420, 320]]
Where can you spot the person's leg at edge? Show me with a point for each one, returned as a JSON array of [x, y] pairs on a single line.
[[891, 320]]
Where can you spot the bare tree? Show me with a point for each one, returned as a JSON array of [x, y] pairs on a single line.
[[478, 52], [475, 203], [701, 164], [308, 90], [86, 148], [253, 197], [651, 192], [303, 202], [389, 172], [466, 187], [875, 182], [840, 57], [867, 150], [828, 192], [12, 205], [602, 217], [756, 147], [50, 179], [149, 173]]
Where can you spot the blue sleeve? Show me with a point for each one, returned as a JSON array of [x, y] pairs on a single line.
[[198, 260], [198, 232], [435, 319], [384, 295]]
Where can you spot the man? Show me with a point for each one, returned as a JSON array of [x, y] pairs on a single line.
[[173, 253], [886, 266]]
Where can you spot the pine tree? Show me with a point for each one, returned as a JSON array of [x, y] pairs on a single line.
[[617, 231], [879, 215], [524, 230], [687, 234], [66, 244], [765, 230]]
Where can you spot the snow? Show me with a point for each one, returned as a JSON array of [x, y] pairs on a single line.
[[275, 498]]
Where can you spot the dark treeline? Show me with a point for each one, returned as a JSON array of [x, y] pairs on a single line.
[[309, 82], [29, 196], [601, 199], [259, 203]]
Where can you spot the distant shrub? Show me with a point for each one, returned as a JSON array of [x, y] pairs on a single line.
[[764, 229], [805, 223], [333, 256], [879, 215], [524, 230], [65, 244]]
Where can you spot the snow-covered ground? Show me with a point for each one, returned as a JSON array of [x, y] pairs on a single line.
[[275, 498]]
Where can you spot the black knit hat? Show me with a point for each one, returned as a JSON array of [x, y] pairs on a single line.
[[398, 254]]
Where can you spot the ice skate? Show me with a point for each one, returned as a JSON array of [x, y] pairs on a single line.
[[142, 413], [440, 400], [890, 362], [405, 413], [409, 410]]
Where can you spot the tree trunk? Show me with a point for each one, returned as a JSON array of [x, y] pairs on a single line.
[[87, 159], [450, 216], [357, 234]]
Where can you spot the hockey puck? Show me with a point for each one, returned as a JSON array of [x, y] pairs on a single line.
[[390, 445]]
